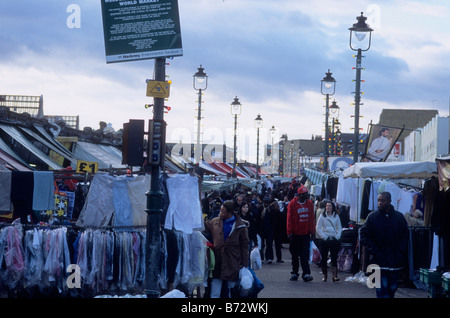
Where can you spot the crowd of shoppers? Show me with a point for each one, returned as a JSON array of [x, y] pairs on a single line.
[[239, 221]]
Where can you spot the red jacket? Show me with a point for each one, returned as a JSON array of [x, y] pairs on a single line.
[[300, 217]]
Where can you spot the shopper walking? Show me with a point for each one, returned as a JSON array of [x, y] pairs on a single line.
[[300, 230], [328, 233], [267, 221], [245, 214], [385, 235], [230, 244], [278, 229]]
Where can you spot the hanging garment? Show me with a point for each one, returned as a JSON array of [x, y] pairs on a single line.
[[22, 194], [137, 189], [12, 260], [34, 257], [5, 192], [122, 203], [99, 205], [184, 212], [43, 199]]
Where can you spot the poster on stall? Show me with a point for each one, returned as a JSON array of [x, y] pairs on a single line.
[[380, 143], [141, 29]]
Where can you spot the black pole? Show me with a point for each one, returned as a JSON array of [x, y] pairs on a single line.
[[357, 103], [154, 202], [257, 154], [199, 147], [327, 111], [234, 175]]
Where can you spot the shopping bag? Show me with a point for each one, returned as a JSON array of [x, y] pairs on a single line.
[[245, 281], [315, 256], [255, 259]]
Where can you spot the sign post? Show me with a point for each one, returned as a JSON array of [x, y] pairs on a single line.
[[138, 30]]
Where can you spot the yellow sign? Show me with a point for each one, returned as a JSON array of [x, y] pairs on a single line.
[[158, 89], [87, 166]]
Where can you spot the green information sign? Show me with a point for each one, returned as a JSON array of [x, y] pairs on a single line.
[[141, 29]]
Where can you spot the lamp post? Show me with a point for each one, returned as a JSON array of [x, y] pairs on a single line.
[[327, 88], [336, 124], [334, 108], [273, 131], [200, 83], [236, 109], [359, 32], [291, 154], [258, 126]]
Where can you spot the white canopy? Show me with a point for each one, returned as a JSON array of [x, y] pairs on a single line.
[[402, 170]]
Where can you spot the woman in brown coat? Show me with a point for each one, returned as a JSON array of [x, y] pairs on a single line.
[[230, 244]]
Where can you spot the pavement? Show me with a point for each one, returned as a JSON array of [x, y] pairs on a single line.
[[275, 278]]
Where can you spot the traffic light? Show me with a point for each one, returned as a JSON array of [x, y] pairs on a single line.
[[133, 143], [157, 144]]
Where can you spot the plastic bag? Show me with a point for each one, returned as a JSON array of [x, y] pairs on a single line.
[[314, 256], [255, 259], [256, 286], [245, 281]]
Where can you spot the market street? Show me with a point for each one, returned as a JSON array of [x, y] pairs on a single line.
[[275, 278]]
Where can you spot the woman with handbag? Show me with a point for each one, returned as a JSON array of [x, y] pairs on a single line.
[[329, 230]]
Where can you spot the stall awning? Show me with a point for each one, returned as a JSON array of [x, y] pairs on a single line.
[[63, 153], [55, 142], [16, 135], [398, 170], [10, 163], [104, 155]]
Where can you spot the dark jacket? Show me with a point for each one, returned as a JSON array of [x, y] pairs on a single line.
[[231, 254], [386, 238]]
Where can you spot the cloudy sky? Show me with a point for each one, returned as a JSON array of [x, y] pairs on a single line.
[[272, 54]]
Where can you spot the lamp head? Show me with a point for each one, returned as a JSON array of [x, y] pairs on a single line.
[[200, 79], [236, 107], [360, 29], [328, 84]]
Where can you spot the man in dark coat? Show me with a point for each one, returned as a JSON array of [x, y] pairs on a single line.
[[385, 236]]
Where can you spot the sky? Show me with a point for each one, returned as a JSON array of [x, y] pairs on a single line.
[[271, 54]]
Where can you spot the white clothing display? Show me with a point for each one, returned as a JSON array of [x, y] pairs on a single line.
[[184, 212]]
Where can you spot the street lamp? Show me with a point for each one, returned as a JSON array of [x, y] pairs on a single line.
[[258, 126], [200, 82], [359, 42], [334, 108], [291, 154], [236, 109], [327, 88], [273, 131]]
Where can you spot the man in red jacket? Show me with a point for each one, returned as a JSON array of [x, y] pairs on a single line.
[[300, 231]]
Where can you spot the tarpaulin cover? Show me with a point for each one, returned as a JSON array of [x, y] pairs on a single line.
[[402, 170]]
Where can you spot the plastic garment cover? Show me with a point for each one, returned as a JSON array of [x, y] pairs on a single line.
[[12, 260], [137, 188], [184, 212], [187, 254], [56, 258], [122, 203], [34, 257], [99, 206]]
